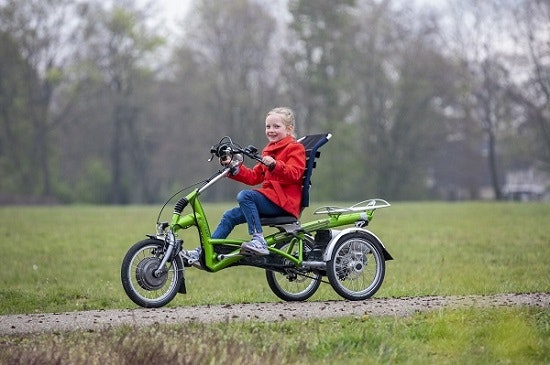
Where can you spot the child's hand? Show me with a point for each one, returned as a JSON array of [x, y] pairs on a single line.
[[269, 162]]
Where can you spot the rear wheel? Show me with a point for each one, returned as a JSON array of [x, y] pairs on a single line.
[[294, 284], [357, 267], [139, 279]]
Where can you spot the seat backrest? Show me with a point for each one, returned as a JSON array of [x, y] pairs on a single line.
[[311, 143]]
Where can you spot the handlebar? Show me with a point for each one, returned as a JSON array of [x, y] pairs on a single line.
[[252, 152], [227, 148]]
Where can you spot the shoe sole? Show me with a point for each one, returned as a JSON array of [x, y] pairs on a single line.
[[248, 251]]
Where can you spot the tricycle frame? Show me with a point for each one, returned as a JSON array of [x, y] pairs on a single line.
[[360, 215], [336, 245]]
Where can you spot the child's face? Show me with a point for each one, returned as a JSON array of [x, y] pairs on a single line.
[[275, 128]]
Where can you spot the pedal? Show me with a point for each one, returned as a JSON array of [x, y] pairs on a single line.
[[188, 262], [196, 264]]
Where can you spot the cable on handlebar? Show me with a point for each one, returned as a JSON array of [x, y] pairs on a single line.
[[225, 147], [175, 194]]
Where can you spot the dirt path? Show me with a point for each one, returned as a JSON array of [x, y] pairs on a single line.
[[94, 320]]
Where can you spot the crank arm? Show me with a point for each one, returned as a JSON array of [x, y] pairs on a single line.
[[229, 255]]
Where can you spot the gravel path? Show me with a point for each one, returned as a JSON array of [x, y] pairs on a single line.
[[97, 319]]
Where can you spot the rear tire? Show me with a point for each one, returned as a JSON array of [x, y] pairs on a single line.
[[138, 279], [292, 285], [357, 267]]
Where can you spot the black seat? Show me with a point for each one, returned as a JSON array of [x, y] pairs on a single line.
[[311, 143]]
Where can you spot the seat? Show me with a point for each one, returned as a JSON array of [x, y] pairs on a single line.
[[311, 143]]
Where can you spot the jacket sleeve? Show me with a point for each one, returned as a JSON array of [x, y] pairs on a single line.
[[290, 168], [250, 176]]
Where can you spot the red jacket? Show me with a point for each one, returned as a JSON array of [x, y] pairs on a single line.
[[283, 185]]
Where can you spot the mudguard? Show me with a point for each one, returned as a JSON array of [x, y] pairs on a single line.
[[336, 235]]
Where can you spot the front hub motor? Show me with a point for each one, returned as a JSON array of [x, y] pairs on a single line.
[[145, 274]]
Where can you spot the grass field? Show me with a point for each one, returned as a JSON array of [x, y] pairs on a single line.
[[68, 258]]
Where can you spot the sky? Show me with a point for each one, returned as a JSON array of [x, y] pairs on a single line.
[[173, 11]]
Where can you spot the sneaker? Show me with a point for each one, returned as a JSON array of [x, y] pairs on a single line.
[[193, 256], [255, 247]]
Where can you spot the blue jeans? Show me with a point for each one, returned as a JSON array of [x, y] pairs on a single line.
[[252, 205]]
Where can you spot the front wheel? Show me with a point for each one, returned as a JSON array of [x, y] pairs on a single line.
[[139, 275], [293, 284], [357, 266]]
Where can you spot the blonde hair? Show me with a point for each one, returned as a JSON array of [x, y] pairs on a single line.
[[288, 118]]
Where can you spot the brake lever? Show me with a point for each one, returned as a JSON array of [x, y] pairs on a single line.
[[213, 150], [258, 158], [252, 152]]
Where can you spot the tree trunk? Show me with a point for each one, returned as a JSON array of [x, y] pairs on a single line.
[[116, 157], [41, 120], [493, 169]]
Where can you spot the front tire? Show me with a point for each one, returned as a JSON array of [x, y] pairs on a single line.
[[357, 267], [138, 277], [292, 285]]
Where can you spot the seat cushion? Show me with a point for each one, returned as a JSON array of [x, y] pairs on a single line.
[[275, 221]]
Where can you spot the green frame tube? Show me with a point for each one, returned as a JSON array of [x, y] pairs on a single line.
[[197, 218]]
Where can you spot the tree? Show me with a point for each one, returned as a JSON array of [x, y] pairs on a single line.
[[317, 61], [374, 77], [15, 121], [229, 49], [480, 34], [532, 91], [406, 84], [118, 53], [40, 30], [232, 41]]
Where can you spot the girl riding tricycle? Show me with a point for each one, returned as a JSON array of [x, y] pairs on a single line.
[[296, 258]]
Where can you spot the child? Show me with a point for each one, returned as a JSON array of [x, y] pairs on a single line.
[[280, 173]]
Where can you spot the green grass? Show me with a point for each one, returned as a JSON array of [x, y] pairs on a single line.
[[466, 248], [466, 336], [68, 258], [58, 259]]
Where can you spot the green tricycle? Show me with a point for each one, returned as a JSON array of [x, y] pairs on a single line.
[[300, 256]]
